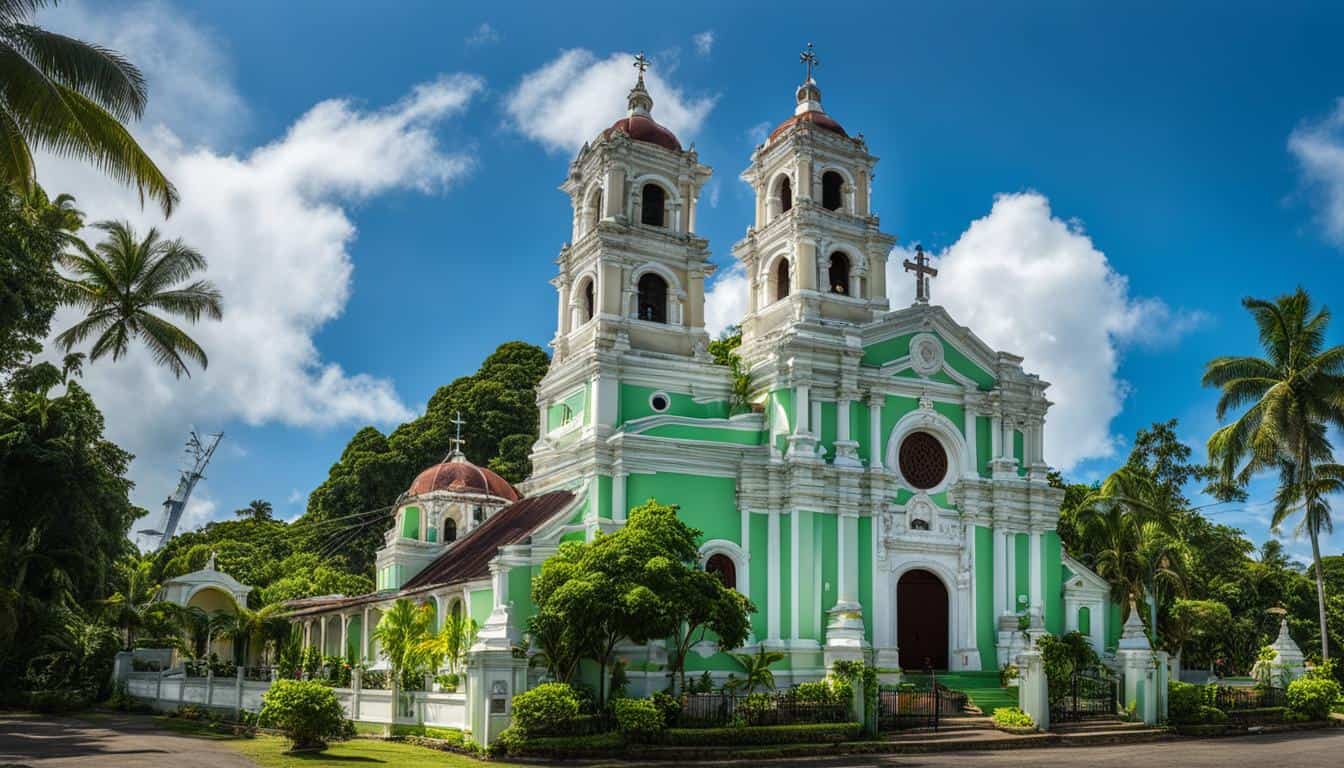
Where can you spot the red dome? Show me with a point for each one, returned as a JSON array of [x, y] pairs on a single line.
[[814, 116], [645, 129], [461, 476]]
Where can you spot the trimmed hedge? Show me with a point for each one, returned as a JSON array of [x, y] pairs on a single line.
[[1312, 697], [638, 719], [761, 735], [549, 708]]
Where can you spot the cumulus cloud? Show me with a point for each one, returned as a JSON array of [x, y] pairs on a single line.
[[274, 222], [726, 300], [704, 42], [1318, 147], [572, 98], [482, 35], [1032, 284]]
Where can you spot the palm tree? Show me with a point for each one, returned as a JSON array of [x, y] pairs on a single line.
[[402, 633], [1292, 395], [122, 280], [260, 629], [257, 509], [130, 608], [451, 644], [69, 97], [756, 669]]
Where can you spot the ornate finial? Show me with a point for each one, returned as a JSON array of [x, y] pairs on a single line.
[[810, 61], [920, 266], [640, 102], [456, 454]]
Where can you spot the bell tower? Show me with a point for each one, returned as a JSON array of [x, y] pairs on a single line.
[[633, 275], [815, 251]]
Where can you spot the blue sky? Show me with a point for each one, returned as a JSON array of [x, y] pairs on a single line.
[[375, 186]]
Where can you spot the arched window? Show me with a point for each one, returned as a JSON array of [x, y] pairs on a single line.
[[456, 610], [587, 300], [652, 201], [832, 188], [919, 525], [838, 275], [785, 195], [449, 530], [652, 298], [782, 279], [722, 566]]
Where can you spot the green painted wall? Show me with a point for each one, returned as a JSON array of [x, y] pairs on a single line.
[[954, 413], [1085, 620], [1021, 569], [1018, 453], [1053, 590], [760, 570], [866, 574], [986, 636], [479, 604], [828, 429], [884, 352], [826, 534], [708, 434], [963, 365], [707, 503], [633, 403], [892, 410], [520, 593], [352, 636], [858, 428], [806, 563], [577, 404], [984, 444], [410, 523], [604, 500]]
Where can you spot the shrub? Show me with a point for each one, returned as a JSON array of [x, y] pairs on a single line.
[[819, 692], [546, 709], [1212, 715], [1184, 701], [1311, 697], [190, 712], [669, 706], [448, 682], [307, 711], [58, 700], [765, 735], [638, 719], [1012, 717]]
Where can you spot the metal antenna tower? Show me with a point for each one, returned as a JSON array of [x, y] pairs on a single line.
[[200, 452]]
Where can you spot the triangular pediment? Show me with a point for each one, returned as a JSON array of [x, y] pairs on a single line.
[[966, 358]]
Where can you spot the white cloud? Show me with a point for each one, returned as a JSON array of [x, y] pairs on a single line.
[[726, 300], [200, 509], [274, 223], [759, 132], [1319, 149], [575, 96], [1031, 284], [712, 192], [704, 42], [482, 35]]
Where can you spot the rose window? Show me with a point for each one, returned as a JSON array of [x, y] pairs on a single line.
[[923, 461]]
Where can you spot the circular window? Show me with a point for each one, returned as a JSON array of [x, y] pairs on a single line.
[[659, 401], [923, 460]]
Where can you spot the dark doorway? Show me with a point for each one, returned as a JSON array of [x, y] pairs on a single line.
[[921, 621]]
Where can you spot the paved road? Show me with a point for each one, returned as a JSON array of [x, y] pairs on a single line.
[[105, 742], [1297, 750]]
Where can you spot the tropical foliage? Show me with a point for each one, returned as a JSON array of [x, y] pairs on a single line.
[[71, 98]]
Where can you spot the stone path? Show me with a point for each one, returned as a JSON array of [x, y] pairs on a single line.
[[105, 741]]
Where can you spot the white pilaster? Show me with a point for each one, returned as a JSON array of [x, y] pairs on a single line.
[[1034, 592], [1000, 566], [875, 431], [618, 501], [364, 636]]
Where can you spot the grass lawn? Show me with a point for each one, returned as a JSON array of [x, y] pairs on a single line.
[[270, 751]]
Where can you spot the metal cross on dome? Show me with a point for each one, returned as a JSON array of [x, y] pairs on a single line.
[[920, 266], [810, 61], [642, 64], [457, 439]]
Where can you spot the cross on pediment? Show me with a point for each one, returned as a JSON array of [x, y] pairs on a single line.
[[920, 266]]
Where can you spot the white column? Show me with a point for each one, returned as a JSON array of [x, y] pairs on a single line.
[[842, 420], [875, 431], [500, 583], [345, 633], [996, 437], [1000, 563], [772, 582], [972, 444], [1010, 575], [323, 635], [847, 542], [814, 418], [1034, 592], [618, 503], [970, 614], [801, 409], [364, 636]]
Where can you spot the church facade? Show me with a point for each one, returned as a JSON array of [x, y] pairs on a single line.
[[871, 477]]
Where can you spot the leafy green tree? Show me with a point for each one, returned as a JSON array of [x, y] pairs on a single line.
[[257, 509], [405, 636], [123, 281], [451, 644], [1291, 396], [71, 98], [33, 233], [258, 632], [130, 607], [1200, 625]]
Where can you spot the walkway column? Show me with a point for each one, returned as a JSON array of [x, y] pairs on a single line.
[[322, 648], [345, 634], [364, 636]]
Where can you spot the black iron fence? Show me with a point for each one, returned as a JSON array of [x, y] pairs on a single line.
[[916, 706], [1231, 699], [711, 710], [1087, 694]]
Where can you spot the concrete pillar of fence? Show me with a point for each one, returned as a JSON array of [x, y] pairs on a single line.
[[1138, 665], [209, 685], [238, 695], [857, 702], [275, 674], [158, 690], [356, 685], [1033, 690], [392, 685]]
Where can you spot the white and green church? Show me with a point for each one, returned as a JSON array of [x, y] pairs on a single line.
[[882, 492]]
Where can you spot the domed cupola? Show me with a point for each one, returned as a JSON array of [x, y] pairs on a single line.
[[638, 123], [809, 104], [458, 476]]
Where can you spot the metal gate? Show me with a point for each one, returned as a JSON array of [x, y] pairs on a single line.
[[1087, 694], [909, 706]]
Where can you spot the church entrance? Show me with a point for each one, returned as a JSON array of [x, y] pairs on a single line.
[[921, 621]]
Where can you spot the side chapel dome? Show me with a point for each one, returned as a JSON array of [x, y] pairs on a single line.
[[457, 475]]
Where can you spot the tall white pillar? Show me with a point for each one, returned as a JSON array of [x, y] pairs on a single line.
[[772, 606], [969, 544], [1000, 567], [618, 502], [1010, 577], [842, 420], [345, 633], [875, 430], [323, 635], [364, 636], [802, 411], [996, 437], [972, 443]]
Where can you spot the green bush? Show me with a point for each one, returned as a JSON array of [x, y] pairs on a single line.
[[1184, 701], [511, 741], [819, 692], [764, 735], [1212, 715], [669, 706], [58, 700], [1012, 717], [546, 709], [307, 711], [638, 719], [1311, 697]]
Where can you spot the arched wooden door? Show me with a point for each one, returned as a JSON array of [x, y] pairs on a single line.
[[921, 621]]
